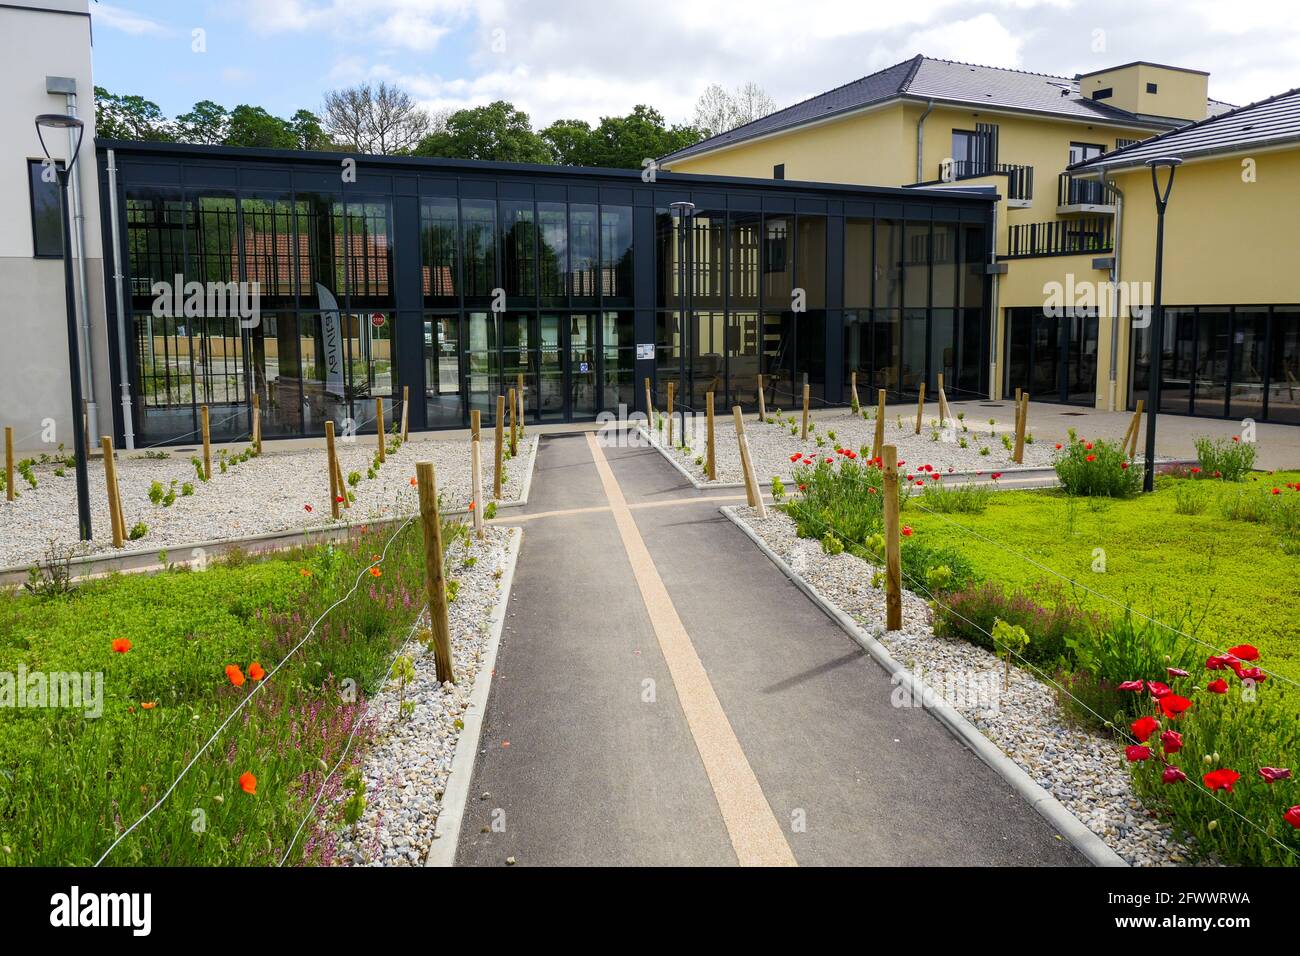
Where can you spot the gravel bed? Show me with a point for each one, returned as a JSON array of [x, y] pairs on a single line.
[[770, 445], [265, 494], [408, 760], [1084, 770]]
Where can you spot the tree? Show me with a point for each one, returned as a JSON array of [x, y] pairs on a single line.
[[570, 141], [254, 126], [206, 123], [379, 119], [307, 131], [497, 131], [717, 111], [619, 142], [130, 117]]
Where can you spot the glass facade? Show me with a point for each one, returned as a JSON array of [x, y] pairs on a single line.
[[460, 285], [1053, 357], [1223, 362]]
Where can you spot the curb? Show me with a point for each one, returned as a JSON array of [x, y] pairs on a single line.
[[455, 797], [1047, 806], [145, 560]]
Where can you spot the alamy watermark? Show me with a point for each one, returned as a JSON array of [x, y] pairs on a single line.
[[198, 300], [54, 689]]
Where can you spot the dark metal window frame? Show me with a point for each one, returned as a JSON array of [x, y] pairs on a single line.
[[31, 204]]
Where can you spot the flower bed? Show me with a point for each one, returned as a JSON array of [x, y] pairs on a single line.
[[177, 654]]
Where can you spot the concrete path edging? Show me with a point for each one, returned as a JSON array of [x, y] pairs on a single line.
[[455, 798], [1046, 805]]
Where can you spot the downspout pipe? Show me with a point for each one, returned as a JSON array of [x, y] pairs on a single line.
[[920, 140], [994, 385], [67, 86], [124, 376], [1115, 296]]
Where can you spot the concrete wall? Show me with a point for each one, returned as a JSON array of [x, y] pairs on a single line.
[[40, 38]]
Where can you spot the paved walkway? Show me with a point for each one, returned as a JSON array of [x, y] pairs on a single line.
[[664, 696]]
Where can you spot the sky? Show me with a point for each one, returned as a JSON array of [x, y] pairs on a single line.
[[583, 59]]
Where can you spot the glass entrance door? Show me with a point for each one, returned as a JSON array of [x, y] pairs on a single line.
[[1053, 357], [582, 352]]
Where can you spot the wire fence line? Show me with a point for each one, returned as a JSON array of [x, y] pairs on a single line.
[[258, 685], [356, 725], [1047, 678]]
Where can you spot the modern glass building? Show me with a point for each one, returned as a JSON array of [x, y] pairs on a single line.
[[454, 278]]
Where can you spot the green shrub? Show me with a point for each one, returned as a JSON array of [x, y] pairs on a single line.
[[967, 498], [1229, 460], [1096, 468], [138, 531], [1048, 617], [832, 545], [1189, 498]]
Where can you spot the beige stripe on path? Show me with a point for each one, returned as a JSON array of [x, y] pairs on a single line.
[[755, 834]]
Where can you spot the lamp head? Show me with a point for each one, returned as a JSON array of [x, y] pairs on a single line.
[[1170, 161], [60, 121]]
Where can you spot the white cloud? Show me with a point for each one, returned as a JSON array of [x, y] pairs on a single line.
[[982, 39], [127, 21]]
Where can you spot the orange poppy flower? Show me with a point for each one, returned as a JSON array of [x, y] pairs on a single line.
[[255, 671], [121, 645], [414, 482], [248, 783], [305, 572], [149, 704], [376, 572], [235, 675]]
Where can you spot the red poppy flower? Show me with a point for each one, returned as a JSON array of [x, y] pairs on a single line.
[[235, 675], [1172, 741], [306, 507], [927, 467], [339, 499], [1292, 817], [471, 506], [1090, 458], [1218, 474], [376, 572], [1176, 672], [795, 457], [909, 477], [1087, 446], [871, 489], [920, 484], [1174, 706], [996, 475], [900, 463], [1274, 774], [121, 645], [1144, 727], [1058, 446], [1158, 690], [1251, 673], [1236, 438], [414, 482], [1219, 686], [1135, 685], [1244, 652], [1173, 775], [248, 783], [1196, 471], [1218, 662], [1123, 466], [1276, 491], [907, 531], [830, 461], [852, 454], [255, 671], [151, 704], [1221, 779], [1135, 754], [936, 477], [803, 487]]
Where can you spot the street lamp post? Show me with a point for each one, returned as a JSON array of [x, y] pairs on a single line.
[[1158, 312], [62, 121]]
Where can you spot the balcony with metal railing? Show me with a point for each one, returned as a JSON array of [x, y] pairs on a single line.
[[1063, 237], [1075, 196], [1020, 179]]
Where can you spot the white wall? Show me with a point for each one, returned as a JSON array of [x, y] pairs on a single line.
[[40, 38]]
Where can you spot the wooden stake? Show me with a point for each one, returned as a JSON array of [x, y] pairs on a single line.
[[1131, 436], [709, 463], [207, 444], [893, 558], [523, 418], [649, 408], [514, 424], [475, 425], [333, 465], [501, 420], [1020, 428], [752, 493], [257, 424], [434, 581], [672, 394], [920, 407], [9, 463], [342, 485], [762, 400], [877, 445], [110, 479], [379, 428], [406, 404], [943, 403], [807, 394], [853, 389], [476, 473]]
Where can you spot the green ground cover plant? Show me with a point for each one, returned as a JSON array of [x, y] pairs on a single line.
[[178, 651]]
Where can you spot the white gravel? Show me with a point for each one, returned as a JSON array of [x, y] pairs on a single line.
[[265, 494], [771, 445], [408, 761], [1084, 770]]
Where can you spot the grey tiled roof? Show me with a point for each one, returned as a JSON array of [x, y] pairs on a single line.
[[925, 78], [1268, 122]]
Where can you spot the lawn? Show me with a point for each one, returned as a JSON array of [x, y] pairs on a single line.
[[71, 781], [1232, 575]]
